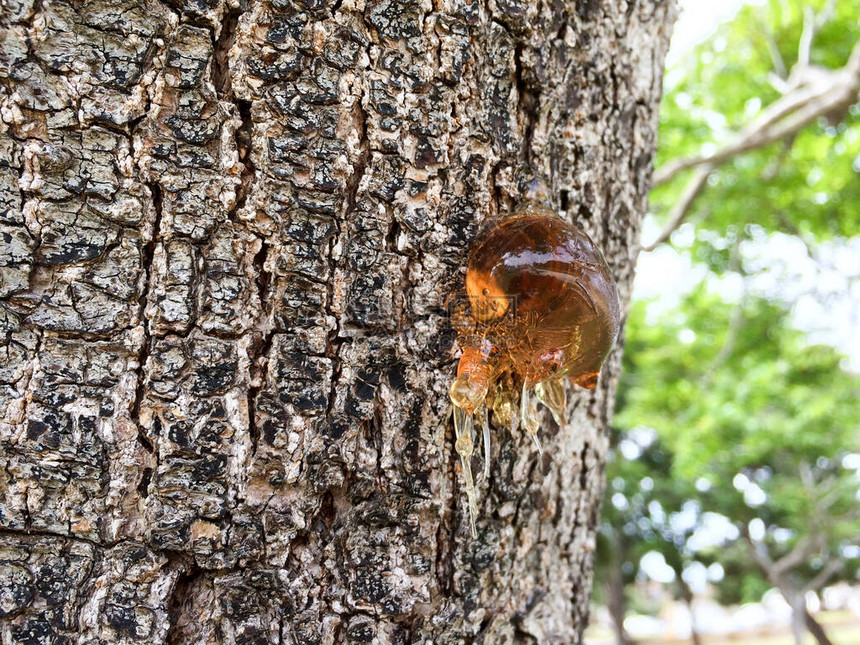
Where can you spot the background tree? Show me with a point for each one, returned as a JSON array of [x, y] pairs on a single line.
[[641, 504], [752, 424], [763, 436], [758, 148], [647, 510], [760, 126], [228, 229], [759, 144]]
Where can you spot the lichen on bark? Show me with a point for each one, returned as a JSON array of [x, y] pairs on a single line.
[[228, 231]]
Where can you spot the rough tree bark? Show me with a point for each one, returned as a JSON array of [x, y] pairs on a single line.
[[228, 230]]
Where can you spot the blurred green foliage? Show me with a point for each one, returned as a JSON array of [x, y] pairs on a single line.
[[742, 409], [807, 185], [745, 391], [724, 410]]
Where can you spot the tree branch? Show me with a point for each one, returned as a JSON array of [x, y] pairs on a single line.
[[779, 67], [812, 22], [806, 36], [784, 117], [762, 557], [831, 567], [802, 550], [829, 92], [679, 212], [737, 319]]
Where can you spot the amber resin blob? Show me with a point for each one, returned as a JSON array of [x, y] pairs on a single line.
[[540, 306]]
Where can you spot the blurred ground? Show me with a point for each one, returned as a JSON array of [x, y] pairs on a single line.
[[843, 628]]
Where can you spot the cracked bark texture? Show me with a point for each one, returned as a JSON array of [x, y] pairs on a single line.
[[228, 231]]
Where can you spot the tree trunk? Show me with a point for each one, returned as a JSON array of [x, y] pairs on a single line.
[[687, 597], [617, 600], [229, 231], [816, 629], [798, 609]]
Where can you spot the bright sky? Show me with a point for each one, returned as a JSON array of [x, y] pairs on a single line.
[[697, 21]]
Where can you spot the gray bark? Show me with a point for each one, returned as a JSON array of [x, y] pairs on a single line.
[[687, 597], [228, 229], [816, 629]]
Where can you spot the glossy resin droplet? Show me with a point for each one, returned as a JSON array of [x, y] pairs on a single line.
[[540, 306]]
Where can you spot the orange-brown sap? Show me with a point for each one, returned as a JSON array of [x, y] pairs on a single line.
[[541, 306]]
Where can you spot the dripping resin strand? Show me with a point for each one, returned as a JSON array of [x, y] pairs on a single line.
[[541, 305]]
